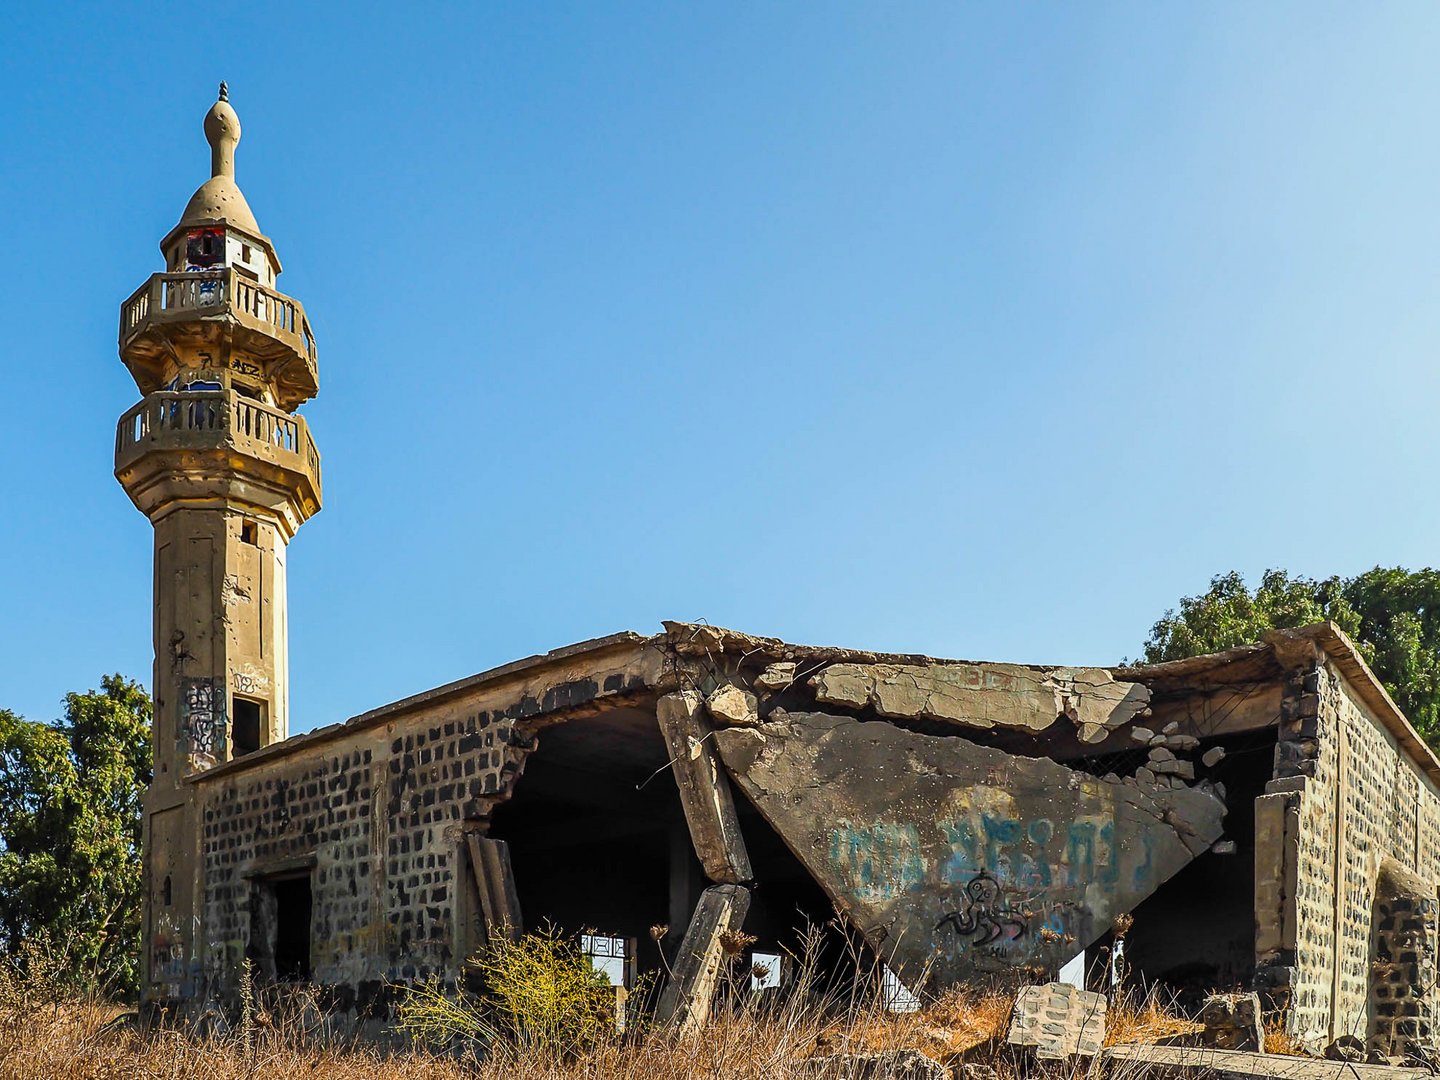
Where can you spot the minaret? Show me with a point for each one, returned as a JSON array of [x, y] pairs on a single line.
[[216, 457]]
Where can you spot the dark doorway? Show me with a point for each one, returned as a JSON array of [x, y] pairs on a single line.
[[292, 928], [245, 716]]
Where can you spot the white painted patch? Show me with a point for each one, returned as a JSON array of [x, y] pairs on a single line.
[[1073, 973], [895, 994]]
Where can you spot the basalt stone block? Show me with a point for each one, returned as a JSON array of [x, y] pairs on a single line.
[[1233, 1022], [1058, 1021]]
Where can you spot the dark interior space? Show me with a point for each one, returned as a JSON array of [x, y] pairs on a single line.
[[1196, 933], [244, 726], [280, 910], [597, 835], [786, 902], [292, 928], [598, 841]]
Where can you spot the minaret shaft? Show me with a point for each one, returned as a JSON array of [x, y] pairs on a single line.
[[221, 637]]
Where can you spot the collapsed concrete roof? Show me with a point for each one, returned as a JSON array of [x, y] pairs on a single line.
[[1281, 650]]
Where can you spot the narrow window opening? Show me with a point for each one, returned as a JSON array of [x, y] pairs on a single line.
[[245, 717], [166, 894], [250, 533], [245, 253]]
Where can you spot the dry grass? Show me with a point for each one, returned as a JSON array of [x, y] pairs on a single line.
[[961, 1020], [45, 1035], [71, 1041], [1148, 1020], [1278, 1042]]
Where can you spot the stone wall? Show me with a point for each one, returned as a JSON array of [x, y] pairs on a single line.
[[1356, 798], [317, 812], [374, 819], [378, 822]]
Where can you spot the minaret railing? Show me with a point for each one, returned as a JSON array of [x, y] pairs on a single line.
[[200, 293], [182, 419]]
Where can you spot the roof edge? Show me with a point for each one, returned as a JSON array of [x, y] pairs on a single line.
[[375, 717], [1338, 647]]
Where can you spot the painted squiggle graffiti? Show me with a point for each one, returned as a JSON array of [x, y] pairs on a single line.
[[983, 917]]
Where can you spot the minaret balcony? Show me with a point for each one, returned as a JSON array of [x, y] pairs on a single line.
[[223, 311], [217, 446]]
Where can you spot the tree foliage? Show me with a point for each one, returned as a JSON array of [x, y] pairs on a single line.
[[1393, 615], [70, 818]]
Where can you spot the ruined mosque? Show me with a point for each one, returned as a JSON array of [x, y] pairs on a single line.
[[1267, 815]]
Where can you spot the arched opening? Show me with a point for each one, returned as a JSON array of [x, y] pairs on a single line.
[[1402, 961]]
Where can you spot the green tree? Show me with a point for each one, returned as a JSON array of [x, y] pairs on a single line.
[[1393, 615], [70, 820]]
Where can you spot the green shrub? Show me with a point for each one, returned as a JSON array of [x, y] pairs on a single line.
[[546, 992], [541, 994]]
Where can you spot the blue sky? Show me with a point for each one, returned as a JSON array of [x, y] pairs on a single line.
[[982, 331]]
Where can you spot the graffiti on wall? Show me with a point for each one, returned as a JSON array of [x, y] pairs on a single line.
[[202, 719], [1005, 886], [983, 916]]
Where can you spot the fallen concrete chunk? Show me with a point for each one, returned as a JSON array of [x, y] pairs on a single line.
[[1184, 770], [1232, 1022], [986, 695], [1141, 734], [733, 705], [1058, 1021], [955, 859], [1346, 1048], [705, 793], [778, 676], [892, 1065], [1212, 757], [702, 956]]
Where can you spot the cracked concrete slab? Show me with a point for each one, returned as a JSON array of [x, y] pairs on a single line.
[[987, 695], [956, 860]]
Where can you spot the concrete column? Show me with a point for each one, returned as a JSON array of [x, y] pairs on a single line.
[[689, 993]]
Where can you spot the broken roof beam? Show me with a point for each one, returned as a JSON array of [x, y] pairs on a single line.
[[705, 793]]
